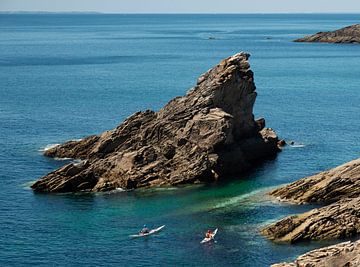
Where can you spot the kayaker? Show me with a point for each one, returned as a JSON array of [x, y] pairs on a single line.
[[208, 234], [145, 230]]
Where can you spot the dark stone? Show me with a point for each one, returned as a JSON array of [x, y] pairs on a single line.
[[282, 143], [350, 35], [200, 137]]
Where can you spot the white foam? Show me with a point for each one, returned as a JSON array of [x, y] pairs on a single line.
[[119, 189], [47, 147], [297, 145], [50, 146], [62, 159], [27, 185], [114, 191], [170, 188], [77, 162]]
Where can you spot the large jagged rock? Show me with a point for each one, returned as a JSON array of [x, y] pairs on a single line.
[[200, 137], [345, 254], [350, 34], [338, 220], [328, 186]]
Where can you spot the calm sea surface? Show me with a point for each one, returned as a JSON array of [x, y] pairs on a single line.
[[67, 76]]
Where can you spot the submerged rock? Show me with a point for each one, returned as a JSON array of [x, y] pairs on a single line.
[[200, 137], [338, 220], [328, 186], [346, 254], [350, 34]]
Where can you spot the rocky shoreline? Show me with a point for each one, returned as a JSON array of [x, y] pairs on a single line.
[[345, 254], [350, 34], [335, 221], [201, 137], [338, 189], [328, 186]]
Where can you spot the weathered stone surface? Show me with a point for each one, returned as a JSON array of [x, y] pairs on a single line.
[[339, 186], [328, 186], [350, 34], [338, 220], [345, 254], [201, 137], [73, 149]]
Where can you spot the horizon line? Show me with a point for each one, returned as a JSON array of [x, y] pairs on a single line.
[[173, 13]]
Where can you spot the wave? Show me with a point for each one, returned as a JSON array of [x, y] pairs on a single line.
[[78, 162], [119, 189], [297, 145], [76, 140], [50, 146], [62, 159], [114, 191], [28, 185], [162, 189], [47, 147]]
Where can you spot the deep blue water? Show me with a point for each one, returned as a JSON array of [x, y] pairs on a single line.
[[67, 76]]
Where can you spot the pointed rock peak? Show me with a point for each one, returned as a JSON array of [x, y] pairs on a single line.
[[201, 137]]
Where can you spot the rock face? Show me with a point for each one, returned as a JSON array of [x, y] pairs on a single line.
[[339, 186], [349, 34], [328, 186], [338, 220], [200, 137], [345, 254]]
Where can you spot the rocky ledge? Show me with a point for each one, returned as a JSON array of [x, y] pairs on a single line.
[[339, 189], [201, 137], [339, 186], [328, 186], [338, 220], [345, 254], [350, 34]]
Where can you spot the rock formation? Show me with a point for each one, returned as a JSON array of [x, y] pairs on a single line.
[[200, 137], [350, 34], [345, 254], [338, 220], [328, 186], [339, 186]]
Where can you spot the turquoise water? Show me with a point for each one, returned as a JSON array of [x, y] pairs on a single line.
[[67, 76]]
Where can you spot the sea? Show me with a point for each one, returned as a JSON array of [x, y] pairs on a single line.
[[66, 76]]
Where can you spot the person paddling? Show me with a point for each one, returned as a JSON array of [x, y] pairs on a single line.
[[208, 234], [145, 230]]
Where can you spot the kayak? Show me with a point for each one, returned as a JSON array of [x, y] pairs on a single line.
[[153, 231], [208, 239]]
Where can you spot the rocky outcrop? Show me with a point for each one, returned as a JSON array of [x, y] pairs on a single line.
[[339, 186], [338, 220], [200, 137], [350, 34], [328, 186], [345, 254]]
